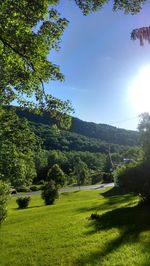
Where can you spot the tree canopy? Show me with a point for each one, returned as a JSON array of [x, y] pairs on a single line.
[[128, 6], [29, 30], [18, 146]]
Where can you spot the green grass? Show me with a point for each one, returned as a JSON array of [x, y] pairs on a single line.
[[63, 234]]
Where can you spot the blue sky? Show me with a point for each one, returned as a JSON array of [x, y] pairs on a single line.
[[100, 62]]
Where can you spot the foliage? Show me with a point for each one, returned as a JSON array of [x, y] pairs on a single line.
[[57, 175], [81, 171], [135, 177], [141, 34], [96, 162], [4, 193], [134, 153], [23, 189], [41, 164], [83, 136], [108, 177], [50, 192], [27, 34], [131, 6], [36, 187], [144, 129], [23, 202], [96, 177], [18, 145]]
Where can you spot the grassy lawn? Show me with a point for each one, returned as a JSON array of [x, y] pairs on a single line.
[[62, 234]]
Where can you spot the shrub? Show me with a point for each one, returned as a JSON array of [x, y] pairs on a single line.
[[23, 202], [4, 194], [50, 192]]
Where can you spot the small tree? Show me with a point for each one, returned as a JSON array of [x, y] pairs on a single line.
[[4, 193], [56, 174], [81, 171], [50, 192]]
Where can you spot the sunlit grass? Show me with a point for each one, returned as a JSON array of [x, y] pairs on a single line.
[[63, 234]]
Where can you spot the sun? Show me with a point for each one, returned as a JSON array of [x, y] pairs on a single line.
[[140, 91]]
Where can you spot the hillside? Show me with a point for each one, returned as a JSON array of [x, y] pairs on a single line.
[[81, 132]]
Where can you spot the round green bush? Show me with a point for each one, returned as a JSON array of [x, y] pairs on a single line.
[[23, 202]]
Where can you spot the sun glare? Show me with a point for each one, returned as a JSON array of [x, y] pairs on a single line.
[[140, 91]]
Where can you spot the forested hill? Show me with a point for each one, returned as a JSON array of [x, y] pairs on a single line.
[[105, 132], [102, 132]]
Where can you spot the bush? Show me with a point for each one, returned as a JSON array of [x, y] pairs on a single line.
[[4, 194], [50, 192], [23, 202]]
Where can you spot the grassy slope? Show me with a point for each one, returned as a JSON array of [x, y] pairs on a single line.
[[62, 234]]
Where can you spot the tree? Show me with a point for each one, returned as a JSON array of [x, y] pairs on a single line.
[[81, 171], [18, 146], [28, 32], [50, 192], [135, 177], [144, 129], [56, 174], [130, 6], [4, 193]]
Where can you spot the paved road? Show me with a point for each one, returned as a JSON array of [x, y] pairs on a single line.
[[69, 189]]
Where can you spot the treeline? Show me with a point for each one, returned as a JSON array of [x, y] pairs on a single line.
[[31, 152], [105, 133], [84, 165], [69, 141], [88, 167]]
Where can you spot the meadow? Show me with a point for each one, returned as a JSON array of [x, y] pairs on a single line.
[[63, 234]]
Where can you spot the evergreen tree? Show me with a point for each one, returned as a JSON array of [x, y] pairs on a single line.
[[56, 174]]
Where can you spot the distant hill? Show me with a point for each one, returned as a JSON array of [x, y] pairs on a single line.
[[82, 136]]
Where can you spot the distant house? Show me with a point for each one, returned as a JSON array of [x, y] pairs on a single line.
[[126, 161]]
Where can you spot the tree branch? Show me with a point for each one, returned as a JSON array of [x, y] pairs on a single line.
[[26, 58]]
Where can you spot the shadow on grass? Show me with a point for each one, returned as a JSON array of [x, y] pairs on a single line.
[[113, 192], [130, 221], [113, 196], [68, 193], [30, 207]]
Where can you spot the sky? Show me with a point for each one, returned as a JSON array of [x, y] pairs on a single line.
[[101, 65]]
